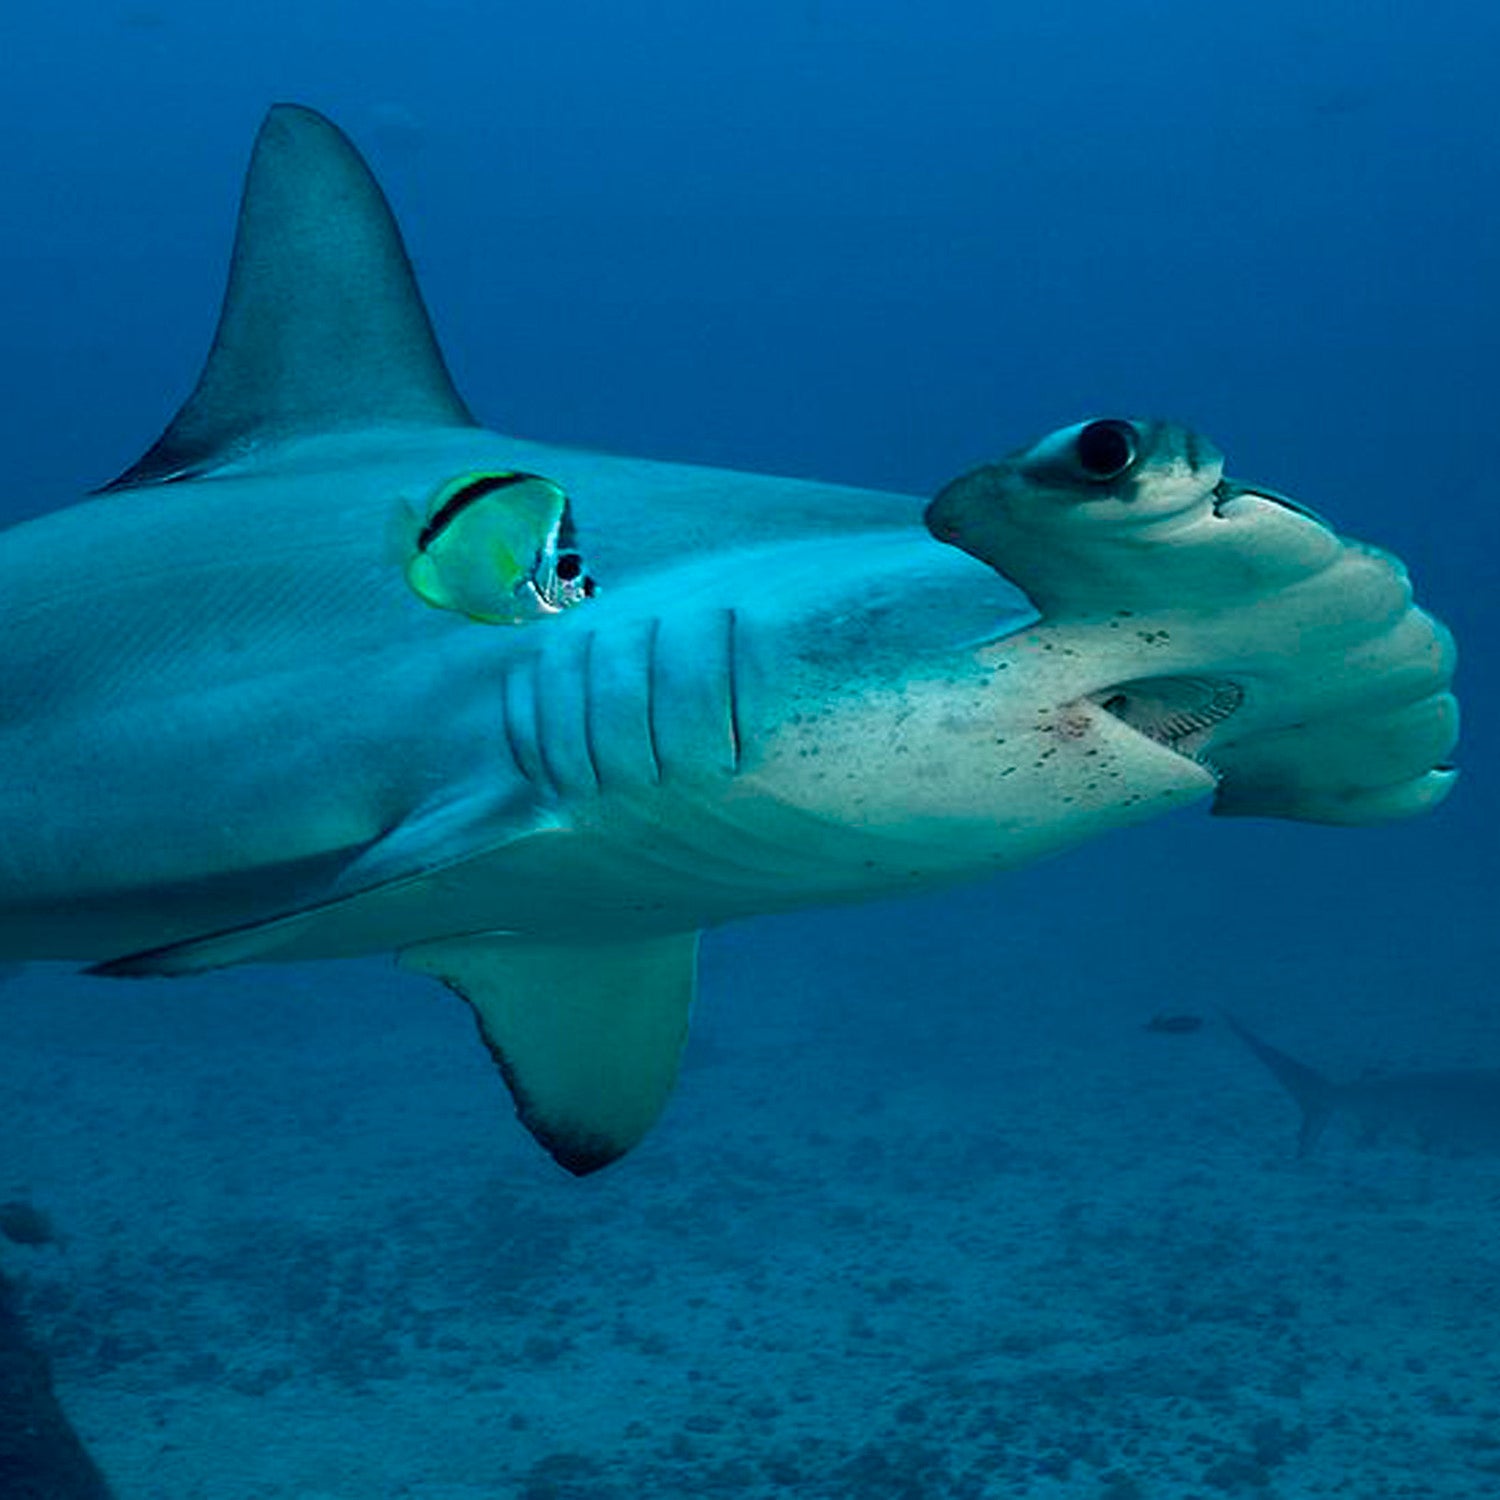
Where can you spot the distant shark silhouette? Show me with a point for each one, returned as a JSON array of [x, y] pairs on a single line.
[[326, 673], [1454, 1110]]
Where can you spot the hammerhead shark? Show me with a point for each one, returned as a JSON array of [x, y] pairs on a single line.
[[332, 669], [1454, 1110]]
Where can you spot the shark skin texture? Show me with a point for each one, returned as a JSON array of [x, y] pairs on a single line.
[[334, 670]]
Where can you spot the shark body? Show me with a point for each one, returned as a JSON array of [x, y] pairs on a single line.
[[322, 675], [1455, 1109]]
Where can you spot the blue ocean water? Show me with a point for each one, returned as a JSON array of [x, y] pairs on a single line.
[[931, 1215]]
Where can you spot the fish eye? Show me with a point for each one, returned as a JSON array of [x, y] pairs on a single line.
[[569, 566], [1106, 449]]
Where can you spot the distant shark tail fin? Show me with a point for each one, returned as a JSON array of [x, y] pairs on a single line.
[[1313, 1094]]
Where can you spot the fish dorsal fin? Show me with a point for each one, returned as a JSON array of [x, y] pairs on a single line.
[[323, 326]]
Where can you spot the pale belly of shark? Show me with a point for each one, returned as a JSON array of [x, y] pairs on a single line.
[[327, 673]]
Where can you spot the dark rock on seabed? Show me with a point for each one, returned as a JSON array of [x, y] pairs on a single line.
[[41, 1457]]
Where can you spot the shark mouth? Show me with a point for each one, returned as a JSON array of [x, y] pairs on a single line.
[[1228, 490], [1180, 713]]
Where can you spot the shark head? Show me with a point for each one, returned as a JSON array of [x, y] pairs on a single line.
[[1238, 629], [1115, 631]]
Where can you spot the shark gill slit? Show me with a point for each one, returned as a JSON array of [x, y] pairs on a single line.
[[653, 635], [548, 770], [589, 751], [524, 763], [731, 673]]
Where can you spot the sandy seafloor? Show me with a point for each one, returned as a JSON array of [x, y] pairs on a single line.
[[921, 1221]]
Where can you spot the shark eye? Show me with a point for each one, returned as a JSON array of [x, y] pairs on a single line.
[[1105, 450]]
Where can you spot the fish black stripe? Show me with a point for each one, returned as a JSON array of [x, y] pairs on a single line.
[[458, 502]]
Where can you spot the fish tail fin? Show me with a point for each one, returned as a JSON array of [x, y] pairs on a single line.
[[1312, 1093]]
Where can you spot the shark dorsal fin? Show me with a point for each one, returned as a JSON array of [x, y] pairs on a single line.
[[323, 325]]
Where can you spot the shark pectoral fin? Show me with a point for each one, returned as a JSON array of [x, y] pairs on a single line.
[[202, 955], [587, 1036], [434, 839], [445, 832]]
